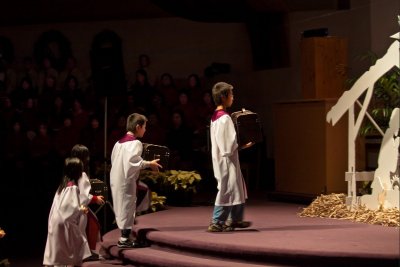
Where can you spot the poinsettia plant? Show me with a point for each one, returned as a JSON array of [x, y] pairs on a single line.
[[175, 179], [157, 202]]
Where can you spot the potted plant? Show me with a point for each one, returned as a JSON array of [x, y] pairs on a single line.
[[157, 202], [183, 180], [154, 180], [386, 97], [178, 186], [181, 185]]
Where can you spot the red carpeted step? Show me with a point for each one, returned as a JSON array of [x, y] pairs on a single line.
[[163, 256], [107, 263]]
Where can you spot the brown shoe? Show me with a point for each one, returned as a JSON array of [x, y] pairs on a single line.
[[227, 228], [214, 227]]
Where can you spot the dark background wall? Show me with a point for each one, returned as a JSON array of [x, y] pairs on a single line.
[[259, 40]]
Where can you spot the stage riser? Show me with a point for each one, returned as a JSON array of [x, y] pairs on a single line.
[[278, 237]]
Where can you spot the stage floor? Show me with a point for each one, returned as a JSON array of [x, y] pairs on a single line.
[[178, 237], [278, 237]]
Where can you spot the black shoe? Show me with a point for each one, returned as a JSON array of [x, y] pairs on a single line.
[[93, 257], [239, 224], [128, 244]]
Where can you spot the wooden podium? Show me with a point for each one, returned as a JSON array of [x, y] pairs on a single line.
[[310, 154], [323, 67]]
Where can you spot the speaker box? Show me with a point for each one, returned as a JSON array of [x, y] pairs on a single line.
[[107, 65]]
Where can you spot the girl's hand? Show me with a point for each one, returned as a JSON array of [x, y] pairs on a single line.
[[100, 200], [2, 233], [84, 209]]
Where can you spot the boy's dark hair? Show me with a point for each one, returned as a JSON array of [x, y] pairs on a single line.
[[73, 168], [133, 120], [219, 90], [81, 152]]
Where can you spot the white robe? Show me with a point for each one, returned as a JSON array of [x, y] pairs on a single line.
[[226, 165], [85, 197], [126, 163], [66, 243], [84, 190]]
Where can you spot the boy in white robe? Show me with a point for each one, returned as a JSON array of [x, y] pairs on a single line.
[[126, 163], [229, 203], [66, 243]]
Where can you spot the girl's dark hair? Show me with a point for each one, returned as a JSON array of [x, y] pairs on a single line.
[[81, 152], [133, 120], [73, 168], [219, 90]]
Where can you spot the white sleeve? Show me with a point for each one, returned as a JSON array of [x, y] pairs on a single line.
[[225, 136], [84, 189], [132, 158], [69, 204]]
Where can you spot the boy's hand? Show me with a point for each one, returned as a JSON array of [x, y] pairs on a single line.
[[249, 144], [154, 165]]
